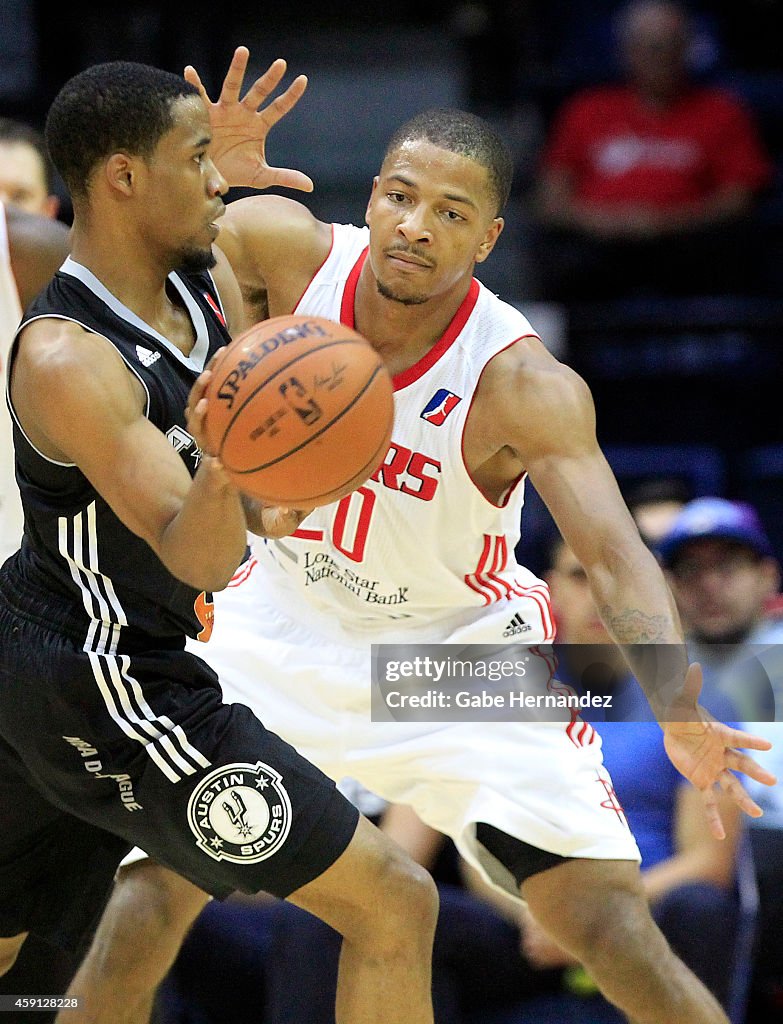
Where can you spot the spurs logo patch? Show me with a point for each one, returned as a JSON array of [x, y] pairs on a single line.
[[240, 813]]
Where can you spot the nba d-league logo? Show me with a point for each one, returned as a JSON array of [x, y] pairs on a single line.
[[240, 813]]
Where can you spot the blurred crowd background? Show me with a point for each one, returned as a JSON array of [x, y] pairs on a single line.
[[644, 241]]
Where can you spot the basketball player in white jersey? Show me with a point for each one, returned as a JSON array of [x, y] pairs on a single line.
[[31, 249], [424, 554]]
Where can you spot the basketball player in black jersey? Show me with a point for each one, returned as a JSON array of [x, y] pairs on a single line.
[[111, 735]]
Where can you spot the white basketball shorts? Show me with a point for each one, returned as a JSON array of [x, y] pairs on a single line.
[[540, 782]]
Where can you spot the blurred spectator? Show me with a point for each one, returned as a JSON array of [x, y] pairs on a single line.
[[26, 173], [687, 873], [647, 186], [654, 503], [723, 573], [31, 250]]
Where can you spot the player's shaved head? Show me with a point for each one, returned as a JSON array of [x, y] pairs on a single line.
[[463, 133]]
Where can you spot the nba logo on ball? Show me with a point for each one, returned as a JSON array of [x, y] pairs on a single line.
[[439, 407], [240, 813]]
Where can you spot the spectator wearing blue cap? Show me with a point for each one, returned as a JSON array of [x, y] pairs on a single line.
[[724, 573]]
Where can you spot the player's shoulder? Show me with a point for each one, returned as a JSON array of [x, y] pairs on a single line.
[[525, 382], [267, 214], [59, 344], [266, 229], [496, 320]]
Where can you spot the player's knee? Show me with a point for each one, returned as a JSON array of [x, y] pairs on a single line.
[[9, 951], [405, 915], [157, 900], [620, 929]]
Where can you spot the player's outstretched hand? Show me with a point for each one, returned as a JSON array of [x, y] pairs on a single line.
[[707, 753], [240, 126]]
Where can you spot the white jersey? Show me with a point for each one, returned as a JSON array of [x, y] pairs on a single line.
[[418, 549], [11, 519]]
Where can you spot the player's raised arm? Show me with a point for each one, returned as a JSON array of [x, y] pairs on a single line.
[[546, 417], [240, 126]]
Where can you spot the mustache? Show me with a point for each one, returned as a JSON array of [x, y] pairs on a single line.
[[410, 250]]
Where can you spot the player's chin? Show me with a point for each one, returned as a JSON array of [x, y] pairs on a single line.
[[406, 296], [196, 259]]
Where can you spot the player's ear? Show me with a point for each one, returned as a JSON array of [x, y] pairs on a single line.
[[488, 243], [120, 171], [372, 196]]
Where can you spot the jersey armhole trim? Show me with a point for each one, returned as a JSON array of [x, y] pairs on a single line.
[[316, 272], [12, 356], [512, 486]]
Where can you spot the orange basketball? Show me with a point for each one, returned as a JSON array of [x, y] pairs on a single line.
[[300, 411]]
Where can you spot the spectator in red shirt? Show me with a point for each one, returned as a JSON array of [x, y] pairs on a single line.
[[648, 185]]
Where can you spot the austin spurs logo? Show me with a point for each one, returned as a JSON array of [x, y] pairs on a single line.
[[240, 813]]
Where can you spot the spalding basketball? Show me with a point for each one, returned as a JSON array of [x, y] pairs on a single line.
[[300, 411]]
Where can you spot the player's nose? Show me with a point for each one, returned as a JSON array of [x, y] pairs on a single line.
[[414, 227]]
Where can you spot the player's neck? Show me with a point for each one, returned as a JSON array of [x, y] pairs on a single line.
[[403, 334], [127, 272]]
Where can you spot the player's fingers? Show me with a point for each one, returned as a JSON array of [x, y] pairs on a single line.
[[232, 83], [712, 813], [286, 178], [731, 785], [197, 392], [740, 762], [192, 76], [265, 84], [215, 356], [739, 738], [286, 101]]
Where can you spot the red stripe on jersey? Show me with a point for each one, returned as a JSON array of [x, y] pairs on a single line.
[[215, 308], [441, 346], [499, 564], [539, 592], [304, 534], [476, 581], [243, 572]]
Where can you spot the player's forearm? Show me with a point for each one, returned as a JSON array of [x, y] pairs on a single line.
[[206, 539], [639, 612]]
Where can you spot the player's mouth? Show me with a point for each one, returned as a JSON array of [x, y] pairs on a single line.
[[218, 212], [407, 260]]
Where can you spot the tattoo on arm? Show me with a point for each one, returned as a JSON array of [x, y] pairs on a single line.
[[634, 626]]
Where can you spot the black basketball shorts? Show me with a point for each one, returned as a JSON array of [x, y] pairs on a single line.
[[100, 752]]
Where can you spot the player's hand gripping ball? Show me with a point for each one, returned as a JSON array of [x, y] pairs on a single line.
[[299, 411]]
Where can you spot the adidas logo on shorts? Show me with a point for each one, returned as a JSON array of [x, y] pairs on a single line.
[[517, 626], [146, 357]]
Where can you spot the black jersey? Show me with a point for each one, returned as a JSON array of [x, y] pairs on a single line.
[[73, 542]]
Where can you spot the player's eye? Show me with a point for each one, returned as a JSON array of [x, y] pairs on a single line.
[[396, 197], [453, 215]]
